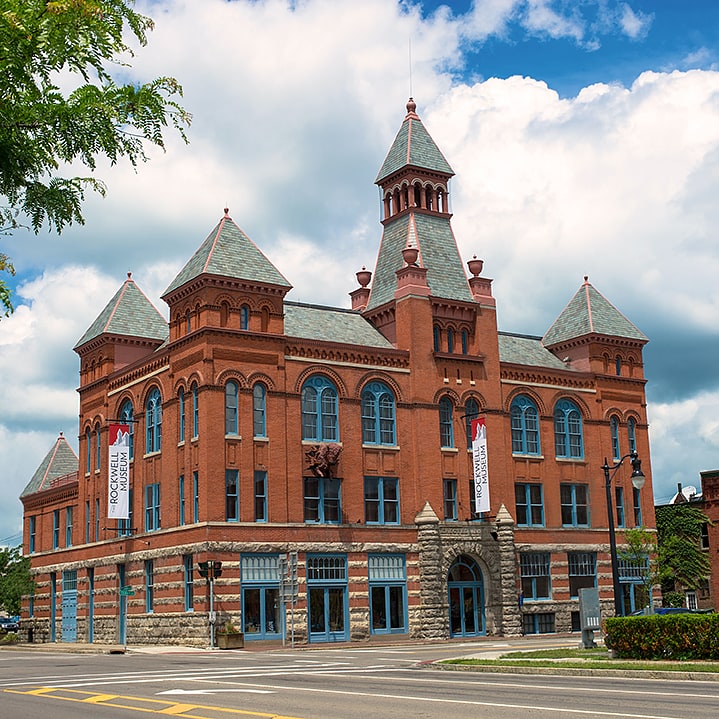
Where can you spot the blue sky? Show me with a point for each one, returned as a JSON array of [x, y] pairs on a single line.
[[584, 135]]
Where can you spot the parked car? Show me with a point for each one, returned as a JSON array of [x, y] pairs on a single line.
[[9, 624]]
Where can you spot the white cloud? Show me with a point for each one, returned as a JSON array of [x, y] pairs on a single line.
[[634, 24]]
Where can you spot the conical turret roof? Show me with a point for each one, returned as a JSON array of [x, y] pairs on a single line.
[[60, 461]]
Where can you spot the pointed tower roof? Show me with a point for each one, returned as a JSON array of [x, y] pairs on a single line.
[[589, 312], [60, 461], [128, 313], [228, 252], [413, 146]]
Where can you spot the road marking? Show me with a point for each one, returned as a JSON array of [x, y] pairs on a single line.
[[214, 691]]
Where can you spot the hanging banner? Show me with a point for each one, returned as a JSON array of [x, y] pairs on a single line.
[[481, 469], [118, 477]]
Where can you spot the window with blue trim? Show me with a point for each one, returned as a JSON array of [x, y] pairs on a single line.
[[195, 412], [381, 500], [529, 503], [181, 493], [525, 426], [98, 447], [181, 410], [534, 568], [153, 422], [582, 571], [188, 322], [244, 317], [33, 533], [88, 523], [322, 500], [55, 528], [149, 585], [97, 520], [232, 495], [259, 410], [465, 342], [188, 582], [575, 505], [88, 451], [152, 507], [260, 496], [126, 417], [195, 498], [614, 429], [619, 502], [436, 337], [446, 422], [387, 575], [637, 502], [450, 341], [568, 440], [320, 410], [378, 415], [449, 490], [618, 365], [632, 434], [231, 413], [471, 411], [124, 526], [68, 526]]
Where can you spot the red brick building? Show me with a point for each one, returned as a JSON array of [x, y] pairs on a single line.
[[264, 429]]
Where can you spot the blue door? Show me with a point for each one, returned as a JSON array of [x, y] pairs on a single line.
[[69, 605], [466, 599], [328, 614], [91, 605], [122, 606]]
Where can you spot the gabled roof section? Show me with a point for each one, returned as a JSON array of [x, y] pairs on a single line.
[[328, 324], [228, 252], [589, 312], [438, 253], [527, 350], [60, 461], [413, 146], [128, 313]]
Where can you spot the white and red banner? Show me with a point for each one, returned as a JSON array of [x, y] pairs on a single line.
[[118, 477], [481, 468]]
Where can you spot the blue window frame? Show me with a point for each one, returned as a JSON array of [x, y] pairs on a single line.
[[618, 365], [322, 500], [471, 411], [244, 317], [320, 410], [465, 342], [149, 585], [568, 440], [188, 322], [436, 337], [88, 451], [55, 528], [637, 502], [232, 425], [98, 447], [188, 582], [232, 495], [450, 341], [381, 500], [181, 411], [575, 505], [538, 623], [124, 526], [195, 412], [97, 520], [534, 569], [525, 426], [153, 421], [582, 571], [32, 532], [68, 526], [619, 502], [632, 434], [446, 422], [449, 490], [614, 429], [388, 593], [181, 493], [259, 409], [152, 507], [529, 504], [328, 607], [378, 415], [195, 497], [87, 522], [262, 605], [126, 417], [260, 496]]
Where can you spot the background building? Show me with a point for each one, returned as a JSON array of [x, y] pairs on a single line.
[[265, 430]]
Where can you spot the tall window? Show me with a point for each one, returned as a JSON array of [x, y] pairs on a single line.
[[322, 500], [244, 317], [637, 502], [319, 410], [614, 429], [195, 412], [98, 447], [33, 533], [582, 571], [471, 411], [68, 526], [126, 417], [124, 526], [575, 505], [446, 423], [55, 528], [387, 575], [529, 504], [435, 337], [188, 581], [232, 495], [152, 507], [450, 341], [181, 493], [181, 411], [188, 322], [449, 487], [259, 406], [525, 426], [568, 430], [619, 501], [260, 496], [632, 434], [465, 342], [378, 415], [231, 414], [381, 500], [88, 452], [149, 585], [195, 497], [618, 365], [153, 422], [88, 522], [534, 568], [97, 520]]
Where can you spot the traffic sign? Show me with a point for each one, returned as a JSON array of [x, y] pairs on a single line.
[[126, 591]]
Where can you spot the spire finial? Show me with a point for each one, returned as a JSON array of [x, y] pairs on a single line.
[[586, 279], [227, 213], [411, 106], [129, 275]]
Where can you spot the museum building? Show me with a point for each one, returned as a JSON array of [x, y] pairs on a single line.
[[306, 471]]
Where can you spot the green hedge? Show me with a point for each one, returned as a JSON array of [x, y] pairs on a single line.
[[666, 636]]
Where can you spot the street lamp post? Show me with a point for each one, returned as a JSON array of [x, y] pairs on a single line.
[[638, 483]]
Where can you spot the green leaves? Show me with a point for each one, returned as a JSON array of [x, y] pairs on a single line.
[[15, 579]]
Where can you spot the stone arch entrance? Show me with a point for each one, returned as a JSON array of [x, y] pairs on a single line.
[[465, 585]]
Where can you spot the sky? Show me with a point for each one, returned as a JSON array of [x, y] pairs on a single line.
[[584, 135]]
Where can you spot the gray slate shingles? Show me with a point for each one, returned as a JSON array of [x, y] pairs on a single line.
[[60, 461]]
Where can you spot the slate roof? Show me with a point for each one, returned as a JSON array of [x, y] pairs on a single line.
[[413, 146], [60, 461], [527, 350], [438, 253], [128, 313], [227, 251], [589, 312], [313, 322]]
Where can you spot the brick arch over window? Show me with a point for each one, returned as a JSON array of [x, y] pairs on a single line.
[[197, 378], [527, 392], [377, 377], [256, 377], [330, 374], [231, 374], [446, 392]]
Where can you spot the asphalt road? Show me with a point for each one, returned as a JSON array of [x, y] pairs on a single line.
[[327, 683]]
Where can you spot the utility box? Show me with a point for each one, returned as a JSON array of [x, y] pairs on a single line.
[[589, 616]]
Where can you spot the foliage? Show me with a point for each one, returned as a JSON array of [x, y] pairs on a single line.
[[668, 636], [47, 46], [15, 579], [682, 563], [228, 628], [5, 302], [9, 638], [673, 599], [639, 552]]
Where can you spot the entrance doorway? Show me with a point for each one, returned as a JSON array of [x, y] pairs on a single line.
[[466, 598]]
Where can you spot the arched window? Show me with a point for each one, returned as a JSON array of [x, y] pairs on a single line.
[[471, 411], [378, 415], [465, 342], [525, 426], [632, 434], [88, 451], [231, 416], [98, 446], [126, 417], [446, 424], [181, 412], [614, 429], [435, 334], [153, 421], [319, 410], [618, 365], [568, 441], [244, 317], [259, 409], [450, 340], [195, 412], [188, 322]]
